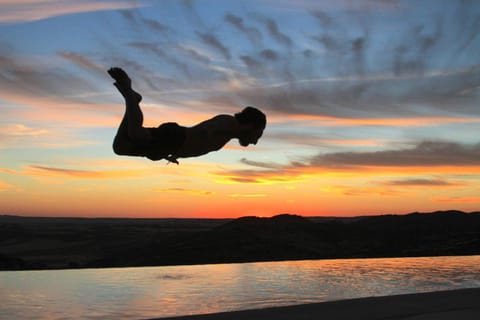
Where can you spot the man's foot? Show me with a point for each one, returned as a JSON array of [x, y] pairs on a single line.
[[123, 83], [121, 77]]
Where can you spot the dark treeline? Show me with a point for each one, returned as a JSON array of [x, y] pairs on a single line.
[[50, 243]]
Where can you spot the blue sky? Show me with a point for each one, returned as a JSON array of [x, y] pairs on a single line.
[[380, 86]]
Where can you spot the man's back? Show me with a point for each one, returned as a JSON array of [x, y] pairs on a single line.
[[209, 135]]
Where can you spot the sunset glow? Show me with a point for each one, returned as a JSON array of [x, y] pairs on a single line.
[[372, 106]]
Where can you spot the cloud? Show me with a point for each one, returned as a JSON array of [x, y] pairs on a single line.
[[269, 54], [253, 65], [253, 34], [192, 14], [305, 139], [213, 42], [12, 11], [142, 75], [75, 173], [194, 54], [273, 30], [423, 183], [143, 25], [358, 79], [427, 153], [55, 172], [332, 121], [456, 199], [323, 18], [83, 62], [360, 190], [5, 186], [265, 176], [184, 190], [265, 165], [157, 26], [20, 130], [162, 53], [412, 55], [468, 23], [16, 136], [247, 195], [347, 52], [379, 95], [32, 79]]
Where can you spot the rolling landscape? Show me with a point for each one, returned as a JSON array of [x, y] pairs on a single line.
[[56, 243]]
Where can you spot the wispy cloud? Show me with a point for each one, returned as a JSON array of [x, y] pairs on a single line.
[[187, 191], [163, 54], [258, 164], [313, 140], [266, 176], [349, 87], [214, 42], [274, 31], [56, 172], [35, 79], [76, 173], [407, 121], [358, 191], [193, 54], [29, 10], [252, 33], [457, 200], [20, 136], [82, 61], [247, 195], [371, 95], [426, 155], [423, 183], [4, 186], [14, 131]]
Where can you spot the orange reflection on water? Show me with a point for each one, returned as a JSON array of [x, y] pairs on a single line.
[[180, 290]]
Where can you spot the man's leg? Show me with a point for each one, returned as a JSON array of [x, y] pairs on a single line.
[[122, 144], [131, 135]]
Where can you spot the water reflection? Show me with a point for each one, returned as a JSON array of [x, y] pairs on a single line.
[[166, 291]]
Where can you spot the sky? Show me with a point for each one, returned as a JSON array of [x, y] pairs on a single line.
[[372, 106]]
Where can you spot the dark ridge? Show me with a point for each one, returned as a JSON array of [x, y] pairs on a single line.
[[49, 243], [250, 223]]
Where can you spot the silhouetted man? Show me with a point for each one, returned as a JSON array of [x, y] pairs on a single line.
[[170, 141]]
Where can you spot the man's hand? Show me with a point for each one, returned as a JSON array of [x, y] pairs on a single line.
[[171, 158]]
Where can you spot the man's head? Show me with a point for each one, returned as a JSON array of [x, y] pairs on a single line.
[[254, 122]]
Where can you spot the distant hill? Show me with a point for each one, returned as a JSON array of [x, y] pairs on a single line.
[[36, 243]]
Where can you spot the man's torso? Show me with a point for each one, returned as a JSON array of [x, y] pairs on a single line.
[[207, 136]]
